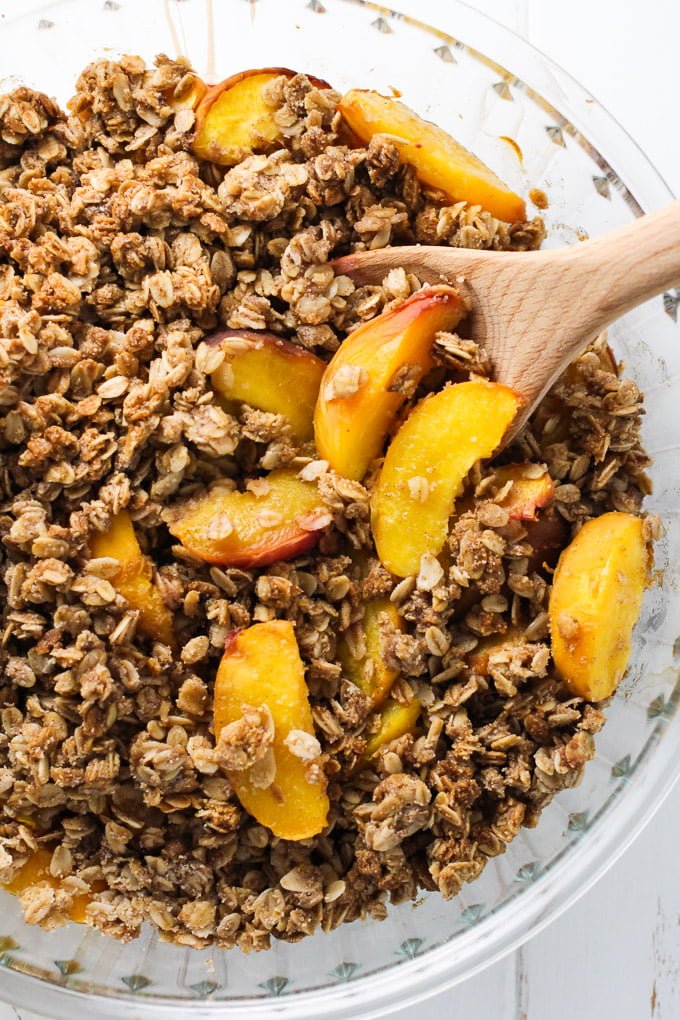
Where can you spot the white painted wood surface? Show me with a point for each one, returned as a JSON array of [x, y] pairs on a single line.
[[616, 953]]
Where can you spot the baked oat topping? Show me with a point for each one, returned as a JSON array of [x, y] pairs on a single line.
[[121, 252]]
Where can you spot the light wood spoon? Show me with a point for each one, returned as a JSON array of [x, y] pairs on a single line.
[[534, 312]]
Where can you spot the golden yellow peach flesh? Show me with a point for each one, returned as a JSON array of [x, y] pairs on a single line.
[[426, 465], [247, 529], [373, 372], [134, 578], [438, 159], [595, 602], [285, 788]]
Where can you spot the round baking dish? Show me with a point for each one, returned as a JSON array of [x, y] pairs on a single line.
[[486, 86]]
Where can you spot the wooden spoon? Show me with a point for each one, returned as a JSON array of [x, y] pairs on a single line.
[[534, 312]]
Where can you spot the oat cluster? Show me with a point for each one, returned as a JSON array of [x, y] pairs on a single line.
[[119, 253]]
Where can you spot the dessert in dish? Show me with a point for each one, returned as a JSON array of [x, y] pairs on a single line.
[[285, 636]]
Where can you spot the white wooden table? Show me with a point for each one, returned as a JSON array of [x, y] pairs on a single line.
[[616, 953]]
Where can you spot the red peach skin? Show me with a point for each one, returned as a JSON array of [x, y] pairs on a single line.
[[532, 489], [240, 529], [233, 116]]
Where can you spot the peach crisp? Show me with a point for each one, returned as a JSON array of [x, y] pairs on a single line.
[[294, 624]]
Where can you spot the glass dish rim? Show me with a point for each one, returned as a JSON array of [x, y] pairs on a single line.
[[432, 972]]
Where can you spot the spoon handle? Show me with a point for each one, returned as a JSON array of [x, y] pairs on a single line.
[[560, 299], [628, 266], [534, 312], [567, 296]]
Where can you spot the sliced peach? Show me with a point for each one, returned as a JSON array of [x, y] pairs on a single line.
[[395, 721], [595, 602], [235, 115], [426, 465], [372, 374], [532, 488], [270, 374], [478, 659], [262, 666], [240, 529], [134, 578], [78, 911], [363, 660], [37, 869], [546, 536], [438, 159]]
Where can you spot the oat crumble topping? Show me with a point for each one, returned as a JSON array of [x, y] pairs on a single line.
[[119, 252]]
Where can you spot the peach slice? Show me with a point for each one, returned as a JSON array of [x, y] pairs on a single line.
[[372, 374], [37, 869], [363, 662], [438, 159], [532, 488], [134, 578], [270, 374], [240, 529], [595, 602], [395, 720], [235, 115], [547, 537], [261, 666], [426, 465], [478, 659]]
